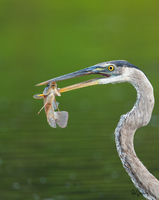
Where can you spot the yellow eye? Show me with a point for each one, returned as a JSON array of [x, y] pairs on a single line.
[[110, 67]]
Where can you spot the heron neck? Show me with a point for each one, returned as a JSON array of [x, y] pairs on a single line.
[[139, 116]]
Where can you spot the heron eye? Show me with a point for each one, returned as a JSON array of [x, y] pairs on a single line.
[[110, 67]]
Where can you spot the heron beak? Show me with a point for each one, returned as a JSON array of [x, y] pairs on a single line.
[[80, 85], [87, 71]]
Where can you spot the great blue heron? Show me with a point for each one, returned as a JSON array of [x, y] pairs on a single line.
[[116, 72]]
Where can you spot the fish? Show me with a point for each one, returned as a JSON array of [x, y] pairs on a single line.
[[50, 105]]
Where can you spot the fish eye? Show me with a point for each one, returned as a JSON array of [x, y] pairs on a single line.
[[111, 68]]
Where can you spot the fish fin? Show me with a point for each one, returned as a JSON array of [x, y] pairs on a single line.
[[61, 118], [42, 108], [55, 105], [38, 96], [51, 121], [50, 114]]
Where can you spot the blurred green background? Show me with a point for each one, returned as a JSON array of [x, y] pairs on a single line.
[[40, 40]]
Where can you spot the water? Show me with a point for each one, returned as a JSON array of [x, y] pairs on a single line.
[[40, 41]]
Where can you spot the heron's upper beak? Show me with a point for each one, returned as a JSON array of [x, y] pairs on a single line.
[[87, 71]]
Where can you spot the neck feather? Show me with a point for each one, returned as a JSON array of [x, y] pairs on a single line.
[[139, 116]]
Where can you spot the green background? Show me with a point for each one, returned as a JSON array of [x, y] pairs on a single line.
[[40, 40]]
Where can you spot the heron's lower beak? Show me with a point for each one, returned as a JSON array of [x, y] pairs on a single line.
[[80, 85]]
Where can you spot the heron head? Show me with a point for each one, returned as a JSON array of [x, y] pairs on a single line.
[[112, 72]]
